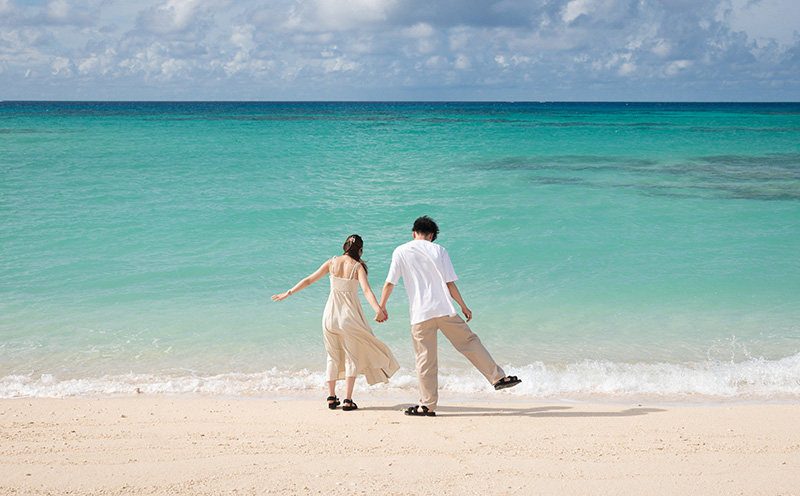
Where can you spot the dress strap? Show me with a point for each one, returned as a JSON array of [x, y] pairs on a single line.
[[352, 273], [330, 267]]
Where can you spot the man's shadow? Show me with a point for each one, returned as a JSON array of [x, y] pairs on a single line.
[[554, 411]]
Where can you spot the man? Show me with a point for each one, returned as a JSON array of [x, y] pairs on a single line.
[[430, 282]]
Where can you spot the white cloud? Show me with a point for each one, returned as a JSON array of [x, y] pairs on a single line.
[[339, 64], [101, 64], [53, 13], [460, 38], [423, 38], [171, 68], [58, 9], [514, 60], [338, 15], [21, 48], [627, 68], [361, 45], [419, 30], [575, 9], [171, 17], [677, 66], [462, 62], [242, 39], [661, 47], [61, 66], [6, 7], [617, 60], [435, 62], [597, 11]]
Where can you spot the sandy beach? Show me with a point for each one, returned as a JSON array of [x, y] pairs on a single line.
[[159, 445]]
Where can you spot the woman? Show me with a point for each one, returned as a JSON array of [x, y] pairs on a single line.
[[352, 347]]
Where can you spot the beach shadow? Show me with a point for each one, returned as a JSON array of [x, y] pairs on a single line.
[[542, 412], [554, 411]]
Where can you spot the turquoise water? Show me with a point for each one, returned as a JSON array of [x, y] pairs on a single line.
[[619, 251]]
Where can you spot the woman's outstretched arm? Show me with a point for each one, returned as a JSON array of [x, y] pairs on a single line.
[[306, 282]]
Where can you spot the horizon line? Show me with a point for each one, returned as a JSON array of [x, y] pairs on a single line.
[[415, 101]]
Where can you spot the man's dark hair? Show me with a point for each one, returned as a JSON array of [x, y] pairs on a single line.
[[425, 225]]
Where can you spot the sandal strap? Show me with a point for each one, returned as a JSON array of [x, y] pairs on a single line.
[[420, 411]]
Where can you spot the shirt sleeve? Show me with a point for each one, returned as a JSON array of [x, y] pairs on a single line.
[[448, 271], [394, 270]]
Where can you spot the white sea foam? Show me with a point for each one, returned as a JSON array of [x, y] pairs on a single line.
[[752, 380]]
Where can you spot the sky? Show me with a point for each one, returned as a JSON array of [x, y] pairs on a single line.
[[400, 50]]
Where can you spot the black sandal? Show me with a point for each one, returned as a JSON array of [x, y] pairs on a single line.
[[419, 411], [333, 402], [349, 405], [507, 382]]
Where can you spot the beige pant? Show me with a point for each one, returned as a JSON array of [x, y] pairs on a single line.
[[463, 339]]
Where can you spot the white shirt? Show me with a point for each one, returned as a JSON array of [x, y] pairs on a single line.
[[426, 269]]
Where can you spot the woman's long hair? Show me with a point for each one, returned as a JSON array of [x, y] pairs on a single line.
[[352, 247]]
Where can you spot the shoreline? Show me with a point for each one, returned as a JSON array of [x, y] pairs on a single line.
[[591, 381], [408, 399], [363, 392], [176, 445]]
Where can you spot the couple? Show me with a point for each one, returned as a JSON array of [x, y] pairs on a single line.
[[429, 279]]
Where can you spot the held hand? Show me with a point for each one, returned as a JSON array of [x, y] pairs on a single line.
[[382, 315], [467, 313]]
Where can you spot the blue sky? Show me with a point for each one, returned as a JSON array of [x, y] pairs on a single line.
[[531, 50]]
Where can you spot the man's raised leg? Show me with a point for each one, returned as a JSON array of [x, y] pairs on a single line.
[[469, 344]]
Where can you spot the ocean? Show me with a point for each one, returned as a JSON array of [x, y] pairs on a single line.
[[621, 252]]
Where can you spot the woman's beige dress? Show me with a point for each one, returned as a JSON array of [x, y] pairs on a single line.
[[352, 347]]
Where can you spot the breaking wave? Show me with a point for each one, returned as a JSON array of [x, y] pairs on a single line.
[[756, 380]]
